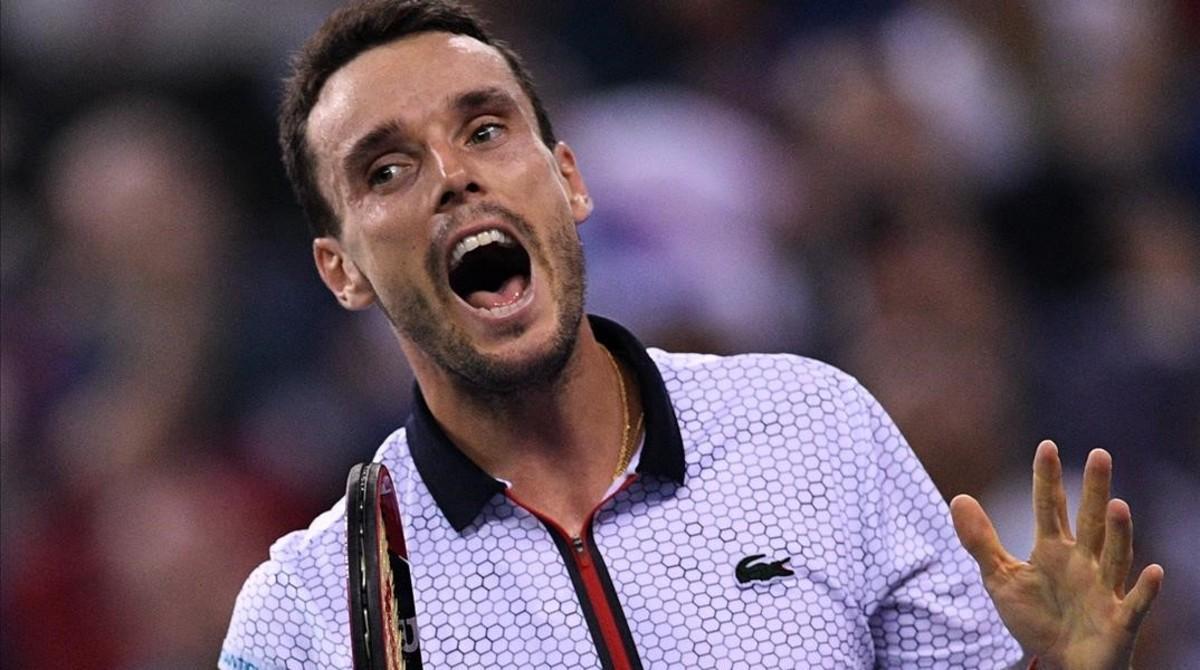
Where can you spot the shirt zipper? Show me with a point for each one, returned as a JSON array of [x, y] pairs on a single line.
[[610, 632], [603, 609]]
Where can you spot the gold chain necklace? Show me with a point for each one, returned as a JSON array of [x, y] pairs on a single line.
[[626, 452]]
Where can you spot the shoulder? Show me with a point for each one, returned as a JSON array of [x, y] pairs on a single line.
[[292, 609], [749, 364], [768, 378], [322, 542], [784, 407], [288, 605]]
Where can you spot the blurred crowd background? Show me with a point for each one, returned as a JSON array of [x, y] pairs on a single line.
[[986, 211]]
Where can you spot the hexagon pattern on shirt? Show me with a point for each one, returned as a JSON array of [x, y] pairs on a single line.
[[786, 458]]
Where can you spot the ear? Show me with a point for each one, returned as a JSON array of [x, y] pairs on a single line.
[[341, 275], [581, 202]]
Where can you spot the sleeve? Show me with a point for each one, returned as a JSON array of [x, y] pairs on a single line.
[[265, 622], [272, 627], [931, 609]]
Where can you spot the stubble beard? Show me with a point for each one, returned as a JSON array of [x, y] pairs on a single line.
[[486, 379]]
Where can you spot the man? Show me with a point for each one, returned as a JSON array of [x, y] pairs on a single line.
[[770, 515]]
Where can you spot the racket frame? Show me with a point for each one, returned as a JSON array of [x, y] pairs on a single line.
[[382, 611]]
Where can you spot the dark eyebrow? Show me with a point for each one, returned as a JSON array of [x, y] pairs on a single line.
[[365, 147], [483, 99], [465, 104]]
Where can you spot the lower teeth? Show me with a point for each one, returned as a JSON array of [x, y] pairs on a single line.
[[503, 310]]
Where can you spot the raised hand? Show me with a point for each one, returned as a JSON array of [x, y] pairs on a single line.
[[1067, 604]]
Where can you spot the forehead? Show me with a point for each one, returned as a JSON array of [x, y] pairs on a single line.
[[407, 80]]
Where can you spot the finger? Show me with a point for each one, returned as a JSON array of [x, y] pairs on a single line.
[[1049, 500], [1089, 520], [978, 535], [1117, 554], [1143, 593]]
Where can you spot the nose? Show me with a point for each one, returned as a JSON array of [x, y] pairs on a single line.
[[456, 177]]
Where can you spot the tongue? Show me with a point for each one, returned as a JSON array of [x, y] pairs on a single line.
[[510, 291]]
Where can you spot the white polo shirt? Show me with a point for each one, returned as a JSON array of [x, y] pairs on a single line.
[[774, 517]]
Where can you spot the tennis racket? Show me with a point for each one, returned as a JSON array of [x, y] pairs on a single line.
[[383, 612]]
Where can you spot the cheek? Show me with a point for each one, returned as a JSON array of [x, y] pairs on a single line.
[[540, 183], [526, 164], [391, 253]]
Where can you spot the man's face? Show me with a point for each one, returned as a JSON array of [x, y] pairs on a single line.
[[454, 214]]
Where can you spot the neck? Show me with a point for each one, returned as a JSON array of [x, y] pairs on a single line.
[[558, 443]]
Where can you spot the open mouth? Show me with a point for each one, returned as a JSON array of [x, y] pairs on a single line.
[[490, 271]]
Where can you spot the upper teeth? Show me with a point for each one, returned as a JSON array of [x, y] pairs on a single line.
[[472, 242]]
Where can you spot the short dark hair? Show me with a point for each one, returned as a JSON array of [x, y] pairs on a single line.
[[348, 32]]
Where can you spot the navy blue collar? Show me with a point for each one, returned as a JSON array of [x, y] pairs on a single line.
[[461, 488]]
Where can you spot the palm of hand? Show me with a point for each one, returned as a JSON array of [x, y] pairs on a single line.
[[1054, 603], [1066, 604]]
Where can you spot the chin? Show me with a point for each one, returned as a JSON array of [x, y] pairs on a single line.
[[531, 355], [531, 360]]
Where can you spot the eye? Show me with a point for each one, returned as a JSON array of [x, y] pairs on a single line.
[[384, 174], [486, 132]]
